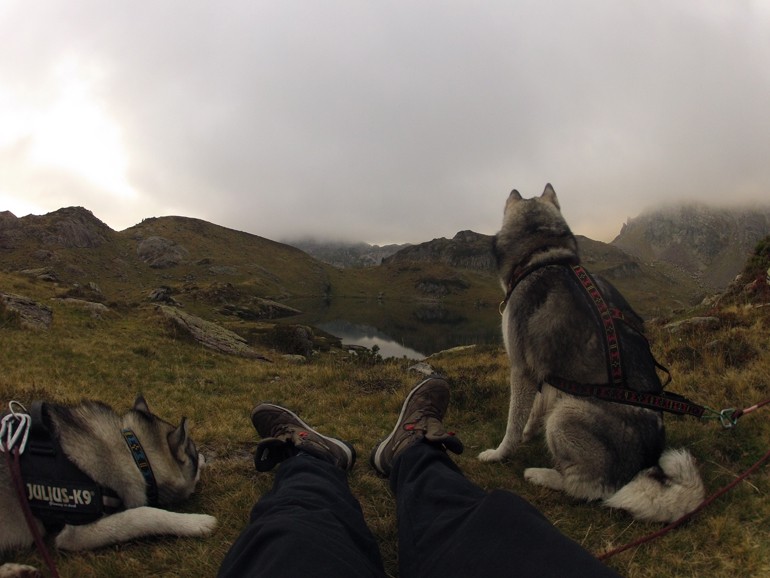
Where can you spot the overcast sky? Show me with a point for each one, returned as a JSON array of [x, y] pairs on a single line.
[[386, 121]]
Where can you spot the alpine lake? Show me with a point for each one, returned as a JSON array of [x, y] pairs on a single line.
[[414, 330]]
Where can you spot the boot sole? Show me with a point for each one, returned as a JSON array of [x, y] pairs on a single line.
[[348, 449], [376, 454]]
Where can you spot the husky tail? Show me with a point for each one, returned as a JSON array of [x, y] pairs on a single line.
[[663, 493]]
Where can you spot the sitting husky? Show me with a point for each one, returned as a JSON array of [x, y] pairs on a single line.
[[95, 478], [600, 449]]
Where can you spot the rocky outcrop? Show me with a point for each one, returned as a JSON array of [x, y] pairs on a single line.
[[441, 287], [708, 243], [71, 227], [96, 310], [24, 312], [208, 334], [260, 309], [41, 273], [345, 255], [10, 230], [77, 227], [161, 253], [466, 250], [291, 339], [752, 286], [163, 294], [692, 324]]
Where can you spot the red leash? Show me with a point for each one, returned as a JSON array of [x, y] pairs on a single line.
[[15, 468], [742, 412], [14, 430], [676, 523]]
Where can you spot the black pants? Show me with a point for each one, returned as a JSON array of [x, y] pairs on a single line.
[[310, 525]]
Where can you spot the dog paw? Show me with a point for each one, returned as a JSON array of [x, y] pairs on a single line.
[[11, 570], [546, 477], [198, 525], [491, 455]]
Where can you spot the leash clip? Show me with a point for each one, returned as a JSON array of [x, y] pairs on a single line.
[[728, 417], [11, 431]]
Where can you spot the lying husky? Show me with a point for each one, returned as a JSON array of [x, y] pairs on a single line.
[[600, 449], [95, 478]]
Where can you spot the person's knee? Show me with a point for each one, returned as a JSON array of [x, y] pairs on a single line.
[[509, 504]]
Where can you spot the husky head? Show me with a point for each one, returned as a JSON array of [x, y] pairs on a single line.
[[172, 454], [533, 230]]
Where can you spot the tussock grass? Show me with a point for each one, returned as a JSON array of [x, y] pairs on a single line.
[[115, 358]]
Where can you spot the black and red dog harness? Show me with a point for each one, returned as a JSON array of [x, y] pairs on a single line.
[[616, 389]]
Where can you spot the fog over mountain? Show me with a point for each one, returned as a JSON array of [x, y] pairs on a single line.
[[709, 243], [383, 122]]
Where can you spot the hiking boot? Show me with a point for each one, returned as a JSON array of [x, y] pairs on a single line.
[[285, 435], [420, 419]]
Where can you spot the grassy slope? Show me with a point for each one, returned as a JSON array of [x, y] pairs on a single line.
[[113, 359], [214, 255]]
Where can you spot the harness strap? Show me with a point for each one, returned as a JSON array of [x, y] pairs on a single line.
[[616, 390], [664, 401], [520, 272], [605, 317]]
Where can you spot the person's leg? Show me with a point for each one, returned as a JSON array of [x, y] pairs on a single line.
[[447, 525], [309, 524]]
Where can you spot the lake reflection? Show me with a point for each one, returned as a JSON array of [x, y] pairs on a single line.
[[410, 329], [367, 336]]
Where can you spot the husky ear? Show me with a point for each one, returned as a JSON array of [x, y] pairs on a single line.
[[177, 440], [550, 195], [140, 404], [512, 198]]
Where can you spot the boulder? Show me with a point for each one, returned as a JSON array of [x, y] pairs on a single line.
[[161, 253], [41, 273], [261, 309], [422, 367], [163, 294], [693, 323], [292, 339], [97, 310], [208, 334], [25, 312], [294, 359]]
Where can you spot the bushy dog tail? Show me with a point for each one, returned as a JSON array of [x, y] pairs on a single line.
[[663, 493]]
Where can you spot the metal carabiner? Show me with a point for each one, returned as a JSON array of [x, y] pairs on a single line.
[[11, 435], [727, 417]]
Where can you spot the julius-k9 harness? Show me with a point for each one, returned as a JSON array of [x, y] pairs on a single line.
[[57, 490]]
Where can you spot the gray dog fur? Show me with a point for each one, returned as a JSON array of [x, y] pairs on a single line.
[[90, 435], [600, 450]]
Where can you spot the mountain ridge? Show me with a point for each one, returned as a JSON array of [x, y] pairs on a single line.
[[708, 243], [191, 256], [346, 254]]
